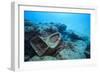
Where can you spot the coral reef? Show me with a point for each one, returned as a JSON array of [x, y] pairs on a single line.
[[70, 46]]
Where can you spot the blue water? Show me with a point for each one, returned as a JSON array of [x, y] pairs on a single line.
[[78, 22]]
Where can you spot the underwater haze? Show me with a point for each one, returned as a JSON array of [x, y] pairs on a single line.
[[78, 22], [56, 36]]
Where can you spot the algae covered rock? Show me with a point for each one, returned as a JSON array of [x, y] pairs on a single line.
[[35, 58], [80, 46], [77, 52], [48, 58], [68, 54]]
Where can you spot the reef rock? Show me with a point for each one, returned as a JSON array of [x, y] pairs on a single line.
[[80, 46], [48, 58], [35, 58], [77, 52]]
